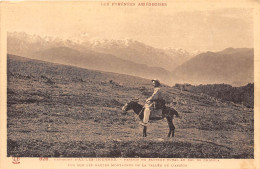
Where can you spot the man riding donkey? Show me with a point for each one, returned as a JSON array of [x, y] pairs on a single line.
[[150, 109], [154, 103]]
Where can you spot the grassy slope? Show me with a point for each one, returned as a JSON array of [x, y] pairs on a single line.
[[240, 95], [63, 111]]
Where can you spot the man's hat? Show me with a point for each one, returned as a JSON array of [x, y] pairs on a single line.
[[156, 80]]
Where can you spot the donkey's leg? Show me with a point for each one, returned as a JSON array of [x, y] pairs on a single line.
[[169, 134], [144, 131], [171, 127]]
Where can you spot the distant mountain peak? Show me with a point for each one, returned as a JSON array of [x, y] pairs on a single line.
[[232, 66], [235, 50], [110, 43]]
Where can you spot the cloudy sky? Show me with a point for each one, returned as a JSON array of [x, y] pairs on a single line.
[[162, 27]]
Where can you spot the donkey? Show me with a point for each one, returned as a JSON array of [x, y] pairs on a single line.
[[167, 112]]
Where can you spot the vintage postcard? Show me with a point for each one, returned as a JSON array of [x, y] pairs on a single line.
[[130, 84]]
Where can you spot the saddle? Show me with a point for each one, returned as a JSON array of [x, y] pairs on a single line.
[[159, 104], [157, 112]]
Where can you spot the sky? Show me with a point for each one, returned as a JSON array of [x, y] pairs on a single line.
[[170, 26]]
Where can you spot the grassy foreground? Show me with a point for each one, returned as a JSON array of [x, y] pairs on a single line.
[[63, 111]]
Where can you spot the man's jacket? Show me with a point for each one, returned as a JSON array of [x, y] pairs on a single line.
[[156, 101]]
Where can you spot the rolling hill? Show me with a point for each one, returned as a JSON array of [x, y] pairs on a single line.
[[231, 66], [55, 110], [100, 61]]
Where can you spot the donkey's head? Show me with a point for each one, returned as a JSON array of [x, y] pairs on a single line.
[[129, 106]]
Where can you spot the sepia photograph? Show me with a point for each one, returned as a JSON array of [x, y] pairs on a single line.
[[140, 80]]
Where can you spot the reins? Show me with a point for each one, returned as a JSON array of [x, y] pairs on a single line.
[[141, 111], [137, 116]]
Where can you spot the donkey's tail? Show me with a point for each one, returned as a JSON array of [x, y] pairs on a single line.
[[170, 112]]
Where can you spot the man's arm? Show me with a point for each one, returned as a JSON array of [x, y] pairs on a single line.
[[155, 95]]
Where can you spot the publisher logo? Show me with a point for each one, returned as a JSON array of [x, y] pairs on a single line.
[[16, 160]]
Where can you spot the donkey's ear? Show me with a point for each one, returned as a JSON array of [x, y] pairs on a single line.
[[135, 99]]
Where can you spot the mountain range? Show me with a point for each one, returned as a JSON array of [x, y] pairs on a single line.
[[231, 66], [128, 56], [21, 43]]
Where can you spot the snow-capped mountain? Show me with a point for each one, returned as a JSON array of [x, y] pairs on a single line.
[[21, 43], [179, 55], [87, 55], [137, 52]]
